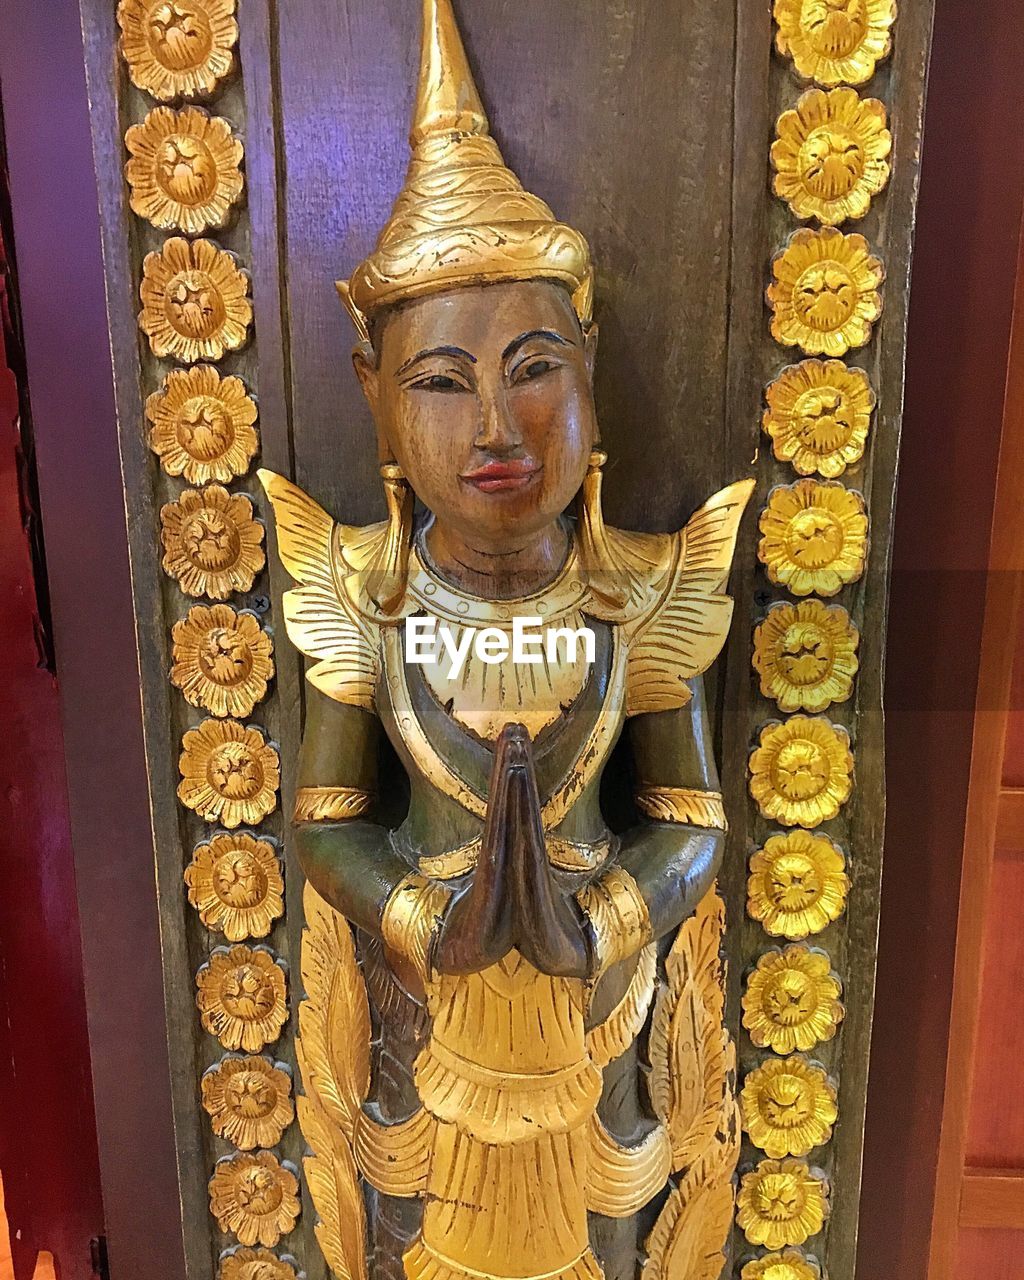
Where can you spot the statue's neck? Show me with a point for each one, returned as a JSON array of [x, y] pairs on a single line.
[[519, 570]]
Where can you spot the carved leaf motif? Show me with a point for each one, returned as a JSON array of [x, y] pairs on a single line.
[[689, 1236], [334, 1185], [691, 1053], [334, 1019]]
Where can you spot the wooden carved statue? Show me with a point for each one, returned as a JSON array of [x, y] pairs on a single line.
[[512, 1044]]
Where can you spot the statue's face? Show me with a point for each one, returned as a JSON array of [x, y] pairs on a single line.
[[484, 398]]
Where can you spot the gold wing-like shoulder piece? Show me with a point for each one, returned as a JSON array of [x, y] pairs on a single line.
[[333, 1052], [322, 620], [681, 635]]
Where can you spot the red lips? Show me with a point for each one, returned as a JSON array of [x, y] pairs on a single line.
[[501, 475]]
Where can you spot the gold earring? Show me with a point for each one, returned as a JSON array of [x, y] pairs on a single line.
[[608, 580], [388, 571]]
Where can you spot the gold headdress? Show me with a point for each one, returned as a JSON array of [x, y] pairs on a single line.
[[463, 217]]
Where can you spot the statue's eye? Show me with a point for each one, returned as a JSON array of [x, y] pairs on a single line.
[[438, 382], [531, 369]]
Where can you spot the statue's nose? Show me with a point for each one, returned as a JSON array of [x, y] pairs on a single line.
[[499, 433]]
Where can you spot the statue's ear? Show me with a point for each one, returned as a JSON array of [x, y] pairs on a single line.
[[591, 332], [364, 361]]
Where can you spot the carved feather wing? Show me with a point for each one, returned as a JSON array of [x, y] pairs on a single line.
[[692, 1056], [320, 617], [683, 635], [333, 1051]]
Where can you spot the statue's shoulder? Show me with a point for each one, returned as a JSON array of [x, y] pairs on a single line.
[[678, 615], [322, 615]]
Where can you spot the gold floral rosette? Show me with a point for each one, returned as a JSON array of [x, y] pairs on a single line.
[[835, 41], [177, 48], [213, 544], [801, 773], [254, 1196], [203, 425], [257, 1264], [782, 1202], [235, 883], [814, 537], [249, 1101], [787, 1265], [824, 295], [806, 655], [229, 773], [185, 170], [791, 1001], [222, 660], [818, 416], [798, 885], [195, 301], [789, 1106], [242, 998]]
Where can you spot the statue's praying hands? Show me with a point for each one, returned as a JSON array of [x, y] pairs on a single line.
[[513, 900]]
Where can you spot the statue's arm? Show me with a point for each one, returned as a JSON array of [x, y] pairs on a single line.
[[669, 861], [350, 860]]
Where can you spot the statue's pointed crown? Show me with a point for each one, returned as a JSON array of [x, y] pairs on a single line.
[[463, 217]]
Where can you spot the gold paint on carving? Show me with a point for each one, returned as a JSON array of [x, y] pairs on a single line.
[[202, 425], [242, 997], [333, 1052], [801, 774], [824, 293], [463, 217], [331, 804], [787, 1265], [782, 1202], [177, 48], [618, 916], [235, 884], [798, 885], [789, 1107], [792, 1001], [818, 416], [222, 659], [229, 773], [611, 1038], [683, 805], [806, 655], [814, 537], [830, 155], [689, 1237], [195, 301], [567, 855], [249, 1101], [835, 41], [257, 1264], [411, 917], [213, 545], [254, 1196], [185, 172]]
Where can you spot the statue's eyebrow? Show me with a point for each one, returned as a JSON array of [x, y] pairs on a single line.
[[457, 352], [524, 338]]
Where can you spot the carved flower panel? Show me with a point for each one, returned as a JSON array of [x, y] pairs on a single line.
[[814, 537], [195, 301], [235, 883], [222, 659], [835, 41], [177, 48], [255, 1197], [806, 655], [790, 1264], [229, 773], [798, 885], [818, 416], [213, 545], [185, 170], [257, 1264], [789, 1106], [202, 425], [791, 1001], [249, 1101], [242, 999], [782, 1202], [801, 774], [825, 292]]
